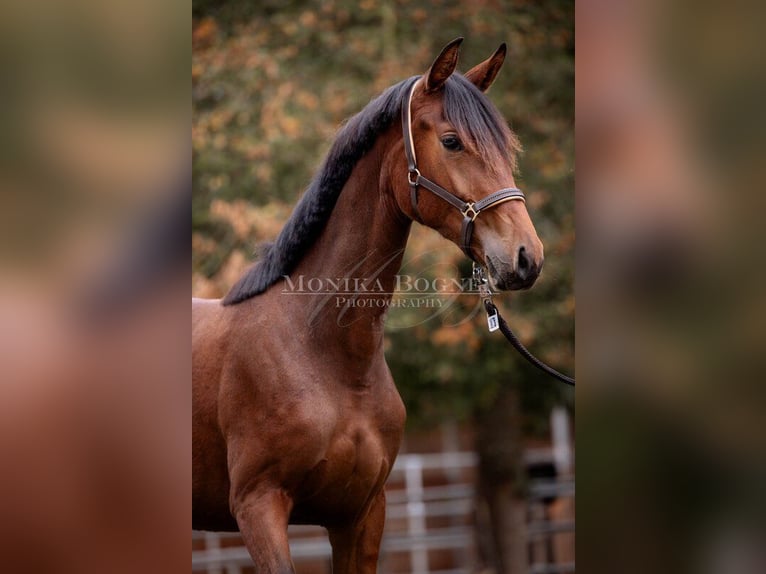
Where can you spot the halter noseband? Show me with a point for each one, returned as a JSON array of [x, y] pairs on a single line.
[[469, 209]]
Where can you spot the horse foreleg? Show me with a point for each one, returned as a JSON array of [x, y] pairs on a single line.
[[262, 520], [355, 548]]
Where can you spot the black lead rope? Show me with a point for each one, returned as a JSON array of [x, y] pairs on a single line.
[[523, 351], [496, 321]]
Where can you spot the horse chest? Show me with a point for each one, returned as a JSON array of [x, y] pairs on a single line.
[[356, 462], [353, 470]]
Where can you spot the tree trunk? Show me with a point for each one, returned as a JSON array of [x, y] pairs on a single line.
[[501, 506]]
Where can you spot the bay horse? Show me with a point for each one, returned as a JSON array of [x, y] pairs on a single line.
[[296, 418]]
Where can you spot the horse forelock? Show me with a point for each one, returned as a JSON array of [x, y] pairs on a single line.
[[479, 123]]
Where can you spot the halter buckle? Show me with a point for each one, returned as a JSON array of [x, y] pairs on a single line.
[[470, 212], [413, 172]]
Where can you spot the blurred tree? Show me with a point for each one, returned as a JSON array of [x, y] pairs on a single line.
[[271, 82]]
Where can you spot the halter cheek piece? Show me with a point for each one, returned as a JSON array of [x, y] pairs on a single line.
[[469, 209]]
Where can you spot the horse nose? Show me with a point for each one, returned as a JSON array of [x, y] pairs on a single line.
[[523, 264], [526, 268]]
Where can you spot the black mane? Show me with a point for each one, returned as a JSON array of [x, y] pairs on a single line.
[[473, 116]]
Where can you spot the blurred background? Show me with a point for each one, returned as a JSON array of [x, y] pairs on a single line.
[[477, 487], [94, 320], [670, 147]]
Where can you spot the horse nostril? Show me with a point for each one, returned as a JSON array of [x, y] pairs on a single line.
[[522, 265]]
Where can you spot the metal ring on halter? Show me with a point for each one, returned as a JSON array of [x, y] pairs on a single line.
[[470, 212]]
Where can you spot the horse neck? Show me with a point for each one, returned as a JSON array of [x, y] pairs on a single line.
[[363, 244]]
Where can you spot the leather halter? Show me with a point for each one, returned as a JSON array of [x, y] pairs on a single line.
[[469, 209]]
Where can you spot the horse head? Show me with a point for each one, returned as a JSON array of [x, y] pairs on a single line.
[[461, 156]]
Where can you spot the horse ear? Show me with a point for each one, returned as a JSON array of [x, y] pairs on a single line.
[[443, 66], [484, 74]]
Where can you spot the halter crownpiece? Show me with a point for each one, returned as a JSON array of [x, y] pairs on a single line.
[[469, 209]]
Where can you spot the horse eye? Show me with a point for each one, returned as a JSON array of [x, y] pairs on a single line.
[[452, 143]]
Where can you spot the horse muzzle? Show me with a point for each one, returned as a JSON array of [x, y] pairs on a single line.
[[521, 273]]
